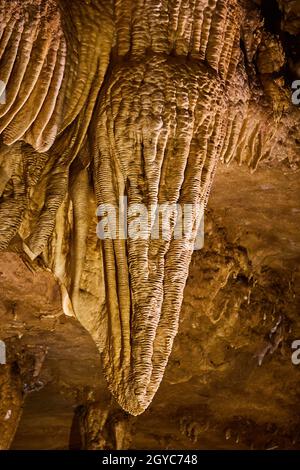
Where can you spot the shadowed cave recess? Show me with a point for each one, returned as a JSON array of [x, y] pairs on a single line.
[[122, 342]]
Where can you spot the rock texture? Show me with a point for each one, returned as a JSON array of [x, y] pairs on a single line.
[[240, 308], [143, 100], [11, 404]]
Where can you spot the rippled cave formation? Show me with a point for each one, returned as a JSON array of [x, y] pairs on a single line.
[[193, 103]]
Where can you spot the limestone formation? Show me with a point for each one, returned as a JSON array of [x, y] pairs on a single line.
[[137, 99]]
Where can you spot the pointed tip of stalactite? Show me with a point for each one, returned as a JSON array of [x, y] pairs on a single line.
[[32, 256], [66, 301], [130, 401], [134, 408], [67, 305], [133, 398]]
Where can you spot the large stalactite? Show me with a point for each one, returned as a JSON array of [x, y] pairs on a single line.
[[142, 99]]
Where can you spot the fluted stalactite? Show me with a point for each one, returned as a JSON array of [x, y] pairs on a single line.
[[53, 58], [159, 131], [33, 58], [137, 99]]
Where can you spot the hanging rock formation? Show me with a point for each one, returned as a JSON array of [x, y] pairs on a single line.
[[112, 99]]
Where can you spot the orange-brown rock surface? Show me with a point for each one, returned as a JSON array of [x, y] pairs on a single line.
[[161, 102]]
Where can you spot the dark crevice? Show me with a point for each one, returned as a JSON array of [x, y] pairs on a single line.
[[291, 44], [272, 16]]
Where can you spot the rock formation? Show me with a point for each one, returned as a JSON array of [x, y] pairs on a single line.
[[111, 99]]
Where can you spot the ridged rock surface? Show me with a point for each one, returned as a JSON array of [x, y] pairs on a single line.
[[106, 99]]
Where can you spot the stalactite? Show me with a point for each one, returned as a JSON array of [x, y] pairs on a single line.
[[142, 98]]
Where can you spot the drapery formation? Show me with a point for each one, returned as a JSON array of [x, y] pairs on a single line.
[[111, 99]]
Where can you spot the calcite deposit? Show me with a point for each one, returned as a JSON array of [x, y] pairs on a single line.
[[185, 103]]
